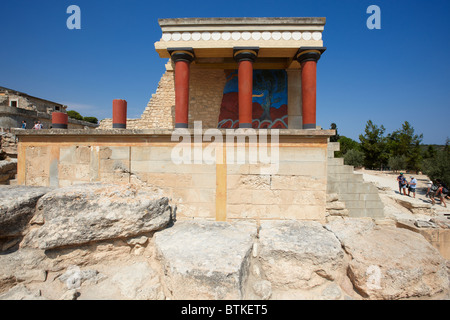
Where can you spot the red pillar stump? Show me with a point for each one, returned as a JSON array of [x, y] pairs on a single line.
[[59, 120], [119, 114], [182, 59], [308, 58], [245, 57]]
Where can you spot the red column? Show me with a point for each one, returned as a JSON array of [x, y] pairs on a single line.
[[181, 94], [59, 120], [309, 85], [245, 56], [308, 58], [245, 83], [182, 57], [119, 114]]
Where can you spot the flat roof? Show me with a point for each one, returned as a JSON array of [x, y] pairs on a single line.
[[19, 93], [243, 21]]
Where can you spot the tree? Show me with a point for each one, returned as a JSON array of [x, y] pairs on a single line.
[[91, 119], [404, 142], [438, 167], [373, 146], [334, 138], [346, 144], [74, 115], [430, 152], [397, 163], [354, 158]]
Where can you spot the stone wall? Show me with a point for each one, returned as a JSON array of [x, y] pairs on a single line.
[[8, 145], [293, 187]]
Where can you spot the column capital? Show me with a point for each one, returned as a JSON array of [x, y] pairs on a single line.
[[181, 54], [309, 54], [245, 53]]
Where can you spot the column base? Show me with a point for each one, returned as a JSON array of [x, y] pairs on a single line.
[[181, 126], [309, 126], [59, 126], [245, 125], [119, 126]]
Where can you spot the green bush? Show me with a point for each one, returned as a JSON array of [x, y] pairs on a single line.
[[397, 163], [74, 115], [438, 167], [91, 119], [354, 158]]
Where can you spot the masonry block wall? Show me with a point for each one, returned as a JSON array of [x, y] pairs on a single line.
[[293, 189]]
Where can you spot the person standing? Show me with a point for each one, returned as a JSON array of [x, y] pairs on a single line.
[[24, 124], [412, 186], [401, 184]]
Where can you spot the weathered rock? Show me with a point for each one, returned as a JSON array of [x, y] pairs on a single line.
[[81, 214], [206, 259], [262, 289], [20, 292], [22, 266], [299, 254], [425, 224], [17, 207], [416, 206], [74, 277], [390, 263], [8, 169], [136, 281]]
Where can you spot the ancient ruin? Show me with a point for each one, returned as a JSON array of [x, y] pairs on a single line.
[[225, 188]]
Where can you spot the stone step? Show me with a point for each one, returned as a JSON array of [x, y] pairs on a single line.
[[345, 177], [340, 169], [334, 146], [336, 161], [351, 187], [13, 182], [359, 196], [366, 212]]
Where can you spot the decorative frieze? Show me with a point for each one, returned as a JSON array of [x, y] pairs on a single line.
[[241, 36]]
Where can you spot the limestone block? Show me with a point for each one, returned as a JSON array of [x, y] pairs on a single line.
[[91, 212], [297, 183], [390, 263], [299, 254], [205, 259], [17, 207]]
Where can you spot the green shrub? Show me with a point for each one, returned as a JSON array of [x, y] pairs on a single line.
[[397, 163], [91, 119], [74, 115], [354, 158]]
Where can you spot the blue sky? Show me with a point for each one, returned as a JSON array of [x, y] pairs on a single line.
[[396, 74]]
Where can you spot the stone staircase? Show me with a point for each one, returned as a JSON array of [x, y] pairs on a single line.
[[361, 198]]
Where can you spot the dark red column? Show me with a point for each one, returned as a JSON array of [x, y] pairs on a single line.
[[182, 59], [119, 114], [308, 58], [245, 79], [59, 120], [245, 57]]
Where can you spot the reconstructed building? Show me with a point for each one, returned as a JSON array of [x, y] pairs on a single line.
[[248, 81], [211, 58]]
